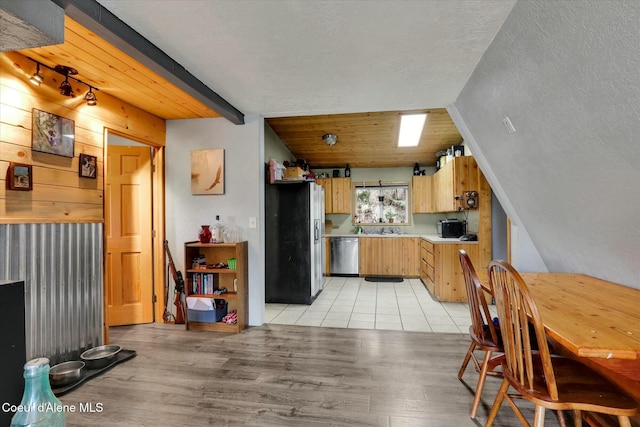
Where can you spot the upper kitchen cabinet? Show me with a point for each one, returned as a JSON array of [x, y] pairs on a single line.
[[456, 177], [337, 195], [325, 183], [422, 188]]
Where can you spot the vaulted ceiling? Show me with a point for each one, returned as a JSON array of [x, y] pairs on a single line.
[[346, 67]]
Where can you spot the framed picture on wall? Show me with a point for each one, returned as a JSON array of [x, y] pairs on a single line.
[[52, 134], [19, 177], [207, 171], [87, 167]]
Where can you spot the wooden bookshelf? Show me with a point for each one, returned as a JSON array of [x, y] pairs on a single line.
[[215, 253]]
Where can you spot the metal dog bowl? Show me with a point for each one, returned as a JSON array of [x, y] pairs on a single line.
[[65, 373], [99, 357]]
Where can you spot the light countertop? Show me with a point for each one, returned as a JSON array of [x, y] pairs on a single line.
[[428, 237]]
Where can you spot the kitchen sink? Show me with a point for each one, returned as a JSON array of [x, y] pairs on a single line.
[[382, 231]]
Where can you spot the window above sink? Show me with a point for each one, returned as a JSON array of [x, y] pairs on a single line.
[[381, 203]]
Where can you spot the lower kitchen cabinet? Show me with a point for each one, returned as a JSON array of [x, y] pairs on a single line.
[[411, 256], [389, 256], [440, 269]]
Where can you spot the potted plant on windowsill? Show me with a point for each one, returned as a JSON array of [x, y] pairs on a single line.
[[390, 215]]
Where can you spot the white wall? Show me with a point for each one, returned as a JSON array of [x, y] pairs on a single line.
[[274, 148], [566, 73], [243, 198]]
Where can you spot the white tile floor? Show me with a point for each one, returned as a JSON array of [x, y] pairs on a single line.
[[352, 302]]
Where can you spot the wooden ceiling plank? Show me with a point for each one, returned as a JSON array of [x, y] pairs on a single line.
[[89, 42], [93, 16], [125, 80], [364, 139], [103, 66], [151, 100]]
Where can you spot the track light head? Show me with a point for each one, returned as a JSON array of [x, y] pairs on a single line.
[[37, 78], [65, 86], [66, 89], [90, 97]]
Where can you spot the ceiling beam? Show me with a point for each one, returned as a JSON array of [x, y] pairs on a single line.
[[27, 24], [106, 25]]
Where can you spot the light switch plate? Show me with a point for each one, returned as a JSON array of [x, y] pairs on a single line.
[[510, 127], [252, 222]]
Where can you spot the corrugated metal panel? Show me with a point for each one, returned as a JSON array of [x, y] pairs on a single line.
[[61, 265]]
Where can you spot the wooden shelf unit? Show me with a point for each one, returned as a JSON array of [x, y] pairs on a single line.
[[215, 253]]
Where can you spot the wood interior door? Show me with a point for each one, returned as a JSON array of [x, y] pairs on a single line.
[[129, 267]]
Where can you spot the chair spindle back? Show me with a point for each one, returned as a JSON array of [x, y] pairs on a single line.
[[516, 310], [478, 308]]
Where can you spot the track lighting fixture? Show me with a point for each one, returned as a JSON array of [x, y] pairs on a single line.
[[65, 87]]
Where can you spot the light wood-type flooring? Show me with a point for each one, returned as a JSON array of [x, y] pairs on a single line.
[[284, 375]]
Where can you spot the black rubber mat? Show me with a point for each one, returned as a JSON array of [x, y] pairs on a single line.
[[122, 356], [383, 279]]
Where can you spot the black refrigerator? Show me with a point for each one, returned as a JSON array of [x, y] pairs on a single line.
[[294, 246]]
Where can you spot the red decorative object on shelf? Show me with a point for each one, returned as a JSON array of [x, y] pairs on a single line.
[[205, 234]]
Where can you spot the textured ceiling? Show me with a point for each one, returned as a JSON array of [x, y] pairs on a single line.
[[295, 58]]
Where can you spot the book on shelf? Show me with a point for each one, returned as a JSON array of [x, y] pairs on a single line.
[[204, 283]]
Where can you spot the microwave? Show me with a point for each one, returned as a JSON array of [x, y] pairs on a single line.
[[451, 228]]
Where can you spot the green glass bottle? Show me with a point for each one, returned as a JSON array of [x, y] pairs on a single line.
[[39, 406]]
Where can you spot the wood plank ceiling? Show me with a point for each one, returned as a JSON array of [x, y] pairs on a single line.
[[102, 65], [365, 140]]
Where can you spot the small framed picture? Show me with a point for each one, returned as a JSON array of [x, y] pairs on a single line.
[[20, 177], [88, 166]]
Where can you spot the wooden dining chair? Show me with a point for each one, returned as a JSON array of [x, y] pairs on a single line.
[[482, 332], [550, 383]]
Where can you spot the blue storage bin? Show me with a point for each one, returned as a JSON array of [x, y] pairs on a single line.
[[209, 316]]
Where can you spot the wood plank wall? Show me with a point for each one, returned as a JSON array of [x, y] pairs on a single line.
[[59, 194]]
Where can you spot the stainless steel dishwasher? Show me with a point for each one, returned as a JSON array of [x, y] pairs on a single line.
[[344, 256]]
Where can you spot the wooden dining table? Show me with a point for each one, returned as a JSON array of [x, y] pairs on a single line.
[[592, 320]]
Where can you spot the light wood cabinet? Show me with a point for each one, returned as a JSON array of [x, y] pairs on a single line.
[[388, 256], [422, 190], [341, 195], [411, 256], [440, 269], [325, 183], [215, 253], [453, 179], [337, 195], [427, 265]]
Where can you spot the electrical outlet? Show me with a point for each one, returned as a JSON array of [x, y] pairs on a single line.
[[253, 222]]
